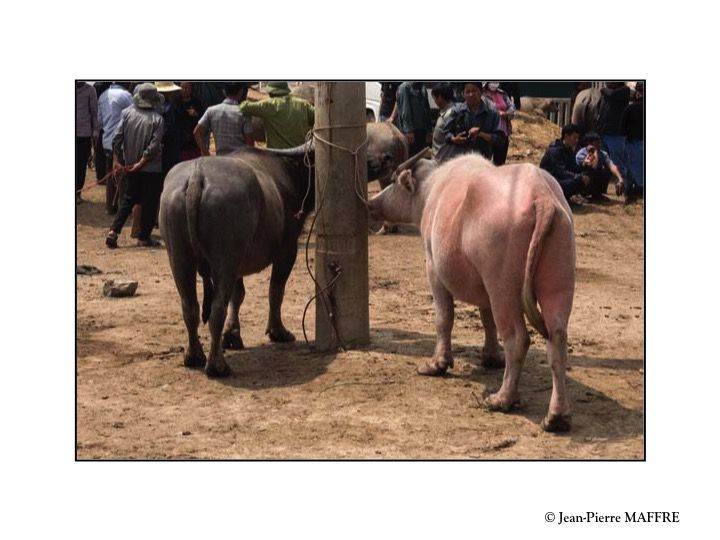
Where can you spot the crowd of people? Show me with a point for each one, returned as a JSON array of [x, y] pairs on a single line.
[[473, 116], [140, 131], [584, 164]]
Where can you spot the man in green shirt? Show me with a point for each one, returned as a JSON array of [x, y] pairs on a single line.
[[287, 118]]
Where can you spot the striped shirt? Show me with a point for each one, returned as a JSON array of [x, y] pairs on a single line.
[[228, 126]]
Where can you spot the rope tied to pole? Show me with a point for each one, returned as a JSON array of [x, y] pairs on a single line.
[[325, 293]]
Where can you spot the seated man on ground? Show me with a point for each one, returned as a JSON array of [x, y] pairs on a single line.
[[596, 163]]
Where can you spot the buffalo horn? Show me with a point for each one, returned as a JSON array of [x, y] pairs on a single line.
[[410, 162]]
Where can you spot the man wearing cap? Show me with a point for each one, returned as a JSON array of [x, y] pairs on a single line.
[[138, 145], [111, 104], [287, 118], [231, 130]]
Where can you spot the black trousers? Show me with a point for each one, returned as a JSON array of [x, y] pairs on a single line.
[[419, 142], [599, 181], [100, 160], [82, 153], [142, 188], [500, 151]]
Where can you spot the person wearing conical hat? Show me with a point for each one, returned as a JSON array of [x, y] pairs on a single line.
[[287, 118]]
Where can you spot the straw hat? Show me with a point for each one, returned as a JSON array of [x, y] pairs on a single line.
[[166, 86]]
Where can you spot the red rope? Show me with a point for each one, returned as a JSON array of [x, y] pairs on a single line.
[[115, 174]]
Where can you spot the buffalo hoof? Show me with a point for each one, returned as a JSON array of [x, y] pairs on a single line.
[[495, 403], [492, 361], [283, 336], [217, 372], [433, 369], [232, 342], [556, 423], [194, 360]]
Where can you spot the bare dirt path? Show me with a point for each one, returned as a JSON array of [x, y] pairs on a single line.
[[136, 400]]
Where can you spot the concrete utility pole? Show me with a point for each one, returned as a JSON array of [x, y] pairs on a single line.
[[342, 223]]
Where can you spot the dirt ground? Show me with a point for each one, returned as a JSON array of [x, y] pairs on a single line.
[[136, 400]]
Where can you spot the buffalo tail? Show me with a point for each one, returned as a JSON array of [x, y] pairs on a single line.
[[193, 197], [544, 216]]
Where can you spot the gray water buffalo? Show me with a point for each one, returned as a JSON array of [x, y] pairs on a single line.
[[500, 238], [586, 108], [225, 218], [228, 217], [537, 105], [387, 148]]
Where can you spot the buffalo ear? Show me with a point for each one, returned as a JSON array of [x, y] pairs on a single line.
[[407, 180]]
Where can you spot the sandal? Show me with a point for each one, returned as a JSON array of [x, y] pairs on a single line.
[[111, 240]]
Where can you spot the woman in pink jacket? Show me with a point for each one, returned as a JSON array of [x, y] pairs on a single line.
[[497, 99]]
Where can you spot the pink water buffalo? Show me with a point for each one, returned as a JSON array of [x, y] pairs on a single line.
[[500, 238]]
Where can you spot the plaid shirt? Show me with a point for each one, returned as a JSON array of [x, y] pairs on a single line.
[[228, 126]]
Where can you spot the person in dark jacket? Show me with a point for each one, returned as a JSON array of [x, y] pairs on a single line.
[[473, 126], [190, 111], [559, 160], [631, 126], [171, 134], [413, 114], [613, 100]]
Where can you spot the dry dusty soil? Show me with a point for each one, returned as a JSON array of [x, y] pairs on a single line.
[[136, 400]]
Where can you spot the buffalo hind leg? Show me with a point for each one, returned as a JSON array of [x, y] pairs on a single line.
[[444, 317], [224, 283], [231, 338], [558, 417], [280, 273], [492, 356], [517, 342], [185, 280]]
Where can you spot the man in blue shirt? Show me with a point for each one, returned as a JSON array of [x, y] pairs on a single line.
[[596, 163], [111, 104]]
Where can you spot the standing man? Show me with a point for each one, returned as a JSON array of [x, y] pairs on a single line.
[[287, 118], [413, 112], [631, 126], [443, 96], [138, 145], [190, 110], [477, 127], [110, 106], [86, 131], [231, 129], [171, 132], [388, 97], [613, 100]]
